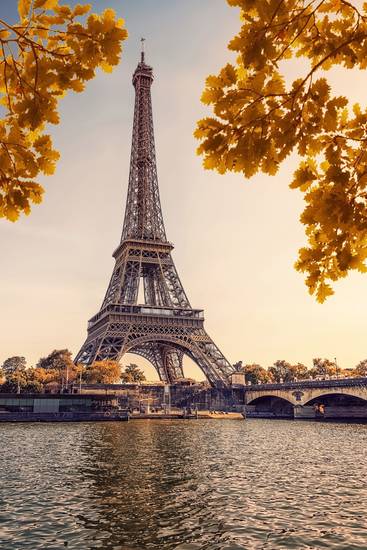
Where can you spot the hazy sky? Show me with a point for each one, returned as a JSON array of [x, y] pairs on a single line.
[[235, 240]]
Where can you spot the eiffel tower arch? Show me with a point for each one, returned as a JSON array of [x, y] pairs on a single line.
[[165, 327]]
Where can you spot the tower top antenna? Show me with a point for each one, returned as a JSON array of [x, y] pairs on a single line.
[[142, 40]]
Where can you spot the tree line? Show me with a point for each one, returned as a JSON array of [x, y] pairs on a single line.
[[56, 372], [282, 371]]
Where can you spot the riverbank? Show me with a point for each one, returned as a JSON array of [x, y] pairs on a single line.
[[197, 415], [118, 416]]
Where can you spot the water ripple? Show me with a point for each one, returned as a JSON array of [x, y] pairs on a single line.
[[184, 485]]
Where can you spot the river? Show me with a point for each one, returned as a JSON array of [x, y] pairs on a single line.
[[206, 484]]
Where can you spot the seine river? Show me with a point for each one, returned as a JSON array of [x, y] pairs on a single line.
[[207, 484]]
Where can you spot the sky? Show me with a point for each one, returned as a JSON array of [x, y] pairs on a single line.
[[235, 240]]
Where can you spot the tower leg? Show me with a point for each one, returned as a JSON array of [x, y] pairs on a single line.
[[166, 360], [164, 347], [173, 359]]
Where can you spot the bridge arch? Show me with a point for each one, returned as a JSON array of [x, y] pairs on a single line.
[[256, 398], [337, 399], [253, 393], [312, 394], [270, 405]]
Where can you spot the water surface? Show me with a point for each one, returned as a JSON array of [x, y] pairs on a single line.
[[208, 484]]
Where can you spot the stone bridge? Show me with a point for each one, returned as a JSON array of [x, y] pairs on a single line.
[[338, 398]]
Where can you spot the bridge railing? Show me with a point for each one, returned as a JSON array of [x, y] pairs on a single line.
[[336, 382]]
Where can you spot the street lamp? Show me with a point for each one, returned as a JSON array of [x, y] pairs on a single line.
[[80, 380]]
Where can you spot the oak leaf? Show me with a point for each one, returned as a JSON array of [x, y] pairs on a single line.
[[258, 121], [56, 53]]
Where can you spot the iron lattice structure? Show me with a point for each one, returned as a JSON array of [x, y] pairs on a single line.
[[165, 327]]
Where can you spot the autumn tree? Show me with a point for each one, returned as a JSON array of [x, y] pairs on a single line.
[[132, 374], [256, 374], [13, 364], [323, 368], [35, 380], [42, 378], [53, 49], [280, 371], [361, 368], [59, 359], [17, 377], [59, 367], [259, 121], [15, 374], [15, 381], [103, 372], [30, 380], [299, 371], [56, 368]]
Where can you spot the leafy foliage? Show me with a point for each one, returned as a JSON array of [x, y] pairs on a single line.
[[57, 368], [258, 121], [30, 380], [281, 371], [256, 374], [15, 382], [132, 374], [13, 364], [324, 367], [48, 53], [103, 372], [361, 368], [59, 360]]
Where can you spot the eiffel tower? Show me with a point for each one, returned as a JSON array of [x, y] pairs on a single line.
[[165, 327]]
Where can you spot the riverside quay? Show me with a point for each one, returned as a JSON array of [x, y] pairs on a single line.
[[339, 399], [59, 407]]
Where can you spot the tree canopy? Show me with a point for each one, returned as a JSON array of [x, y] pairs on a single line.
[[49, 52], [361, 368], [59, 359], [282, 371], [103, 372], [13, 364], [259, 120], [132, 373], [256, 374], [324, 367], [50, 373]]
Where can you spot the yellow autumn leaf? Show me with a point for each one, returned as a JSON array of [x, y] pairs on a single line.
[[36, 78], [24, 7], [324, 291], [82, 9], [259, 118], [46, 4], [106, 67]]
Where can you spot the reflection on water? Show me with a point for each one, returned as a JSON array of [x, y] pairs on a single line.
[[186, 485]]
